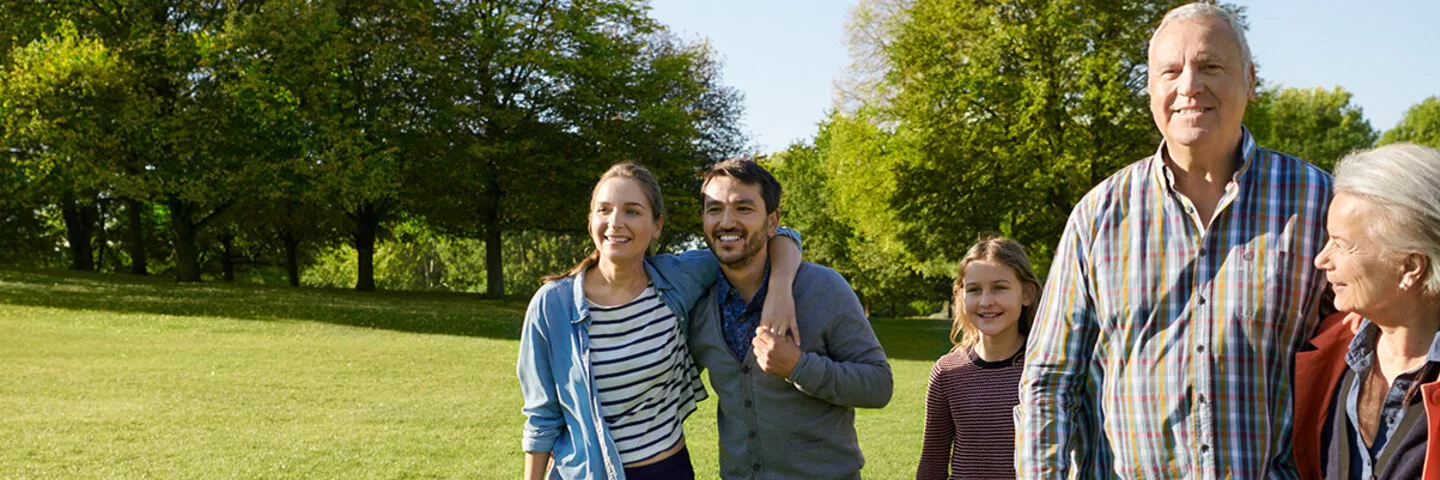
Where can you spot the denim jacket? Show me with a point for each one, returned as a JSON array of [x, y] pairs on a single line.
[[562, 408]]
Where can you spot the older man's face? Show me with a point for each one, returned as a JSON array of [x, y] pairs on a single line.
[[1198, 83]]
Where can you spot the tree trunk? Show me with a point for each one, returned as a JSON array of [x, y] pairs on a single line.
[[292, 256], [227, 257], [102, 238], [494, 268], [79, 228], [138, 262], [187, 254], [367, 222]]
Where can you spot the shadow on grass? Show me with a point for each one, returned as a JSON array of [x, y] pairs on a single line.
[[913, 338], [441, 313], [419, 312]]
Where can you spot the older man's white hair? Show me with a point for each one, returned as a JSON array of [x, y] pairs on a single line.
[[1403, 181], [1205, 10]]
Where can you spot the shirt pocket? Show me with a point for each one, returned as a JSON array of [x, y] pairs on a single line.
[[1271, 291]]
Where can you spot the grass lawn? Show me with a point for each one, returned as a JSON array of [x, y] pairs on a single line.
[[118, 376]]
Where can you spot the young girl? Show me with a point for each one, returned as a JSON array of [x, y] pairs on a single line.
[[603, 365], [969, 431]]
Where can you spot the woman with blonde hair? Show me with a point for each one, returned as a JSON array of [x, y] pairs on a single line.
[[974, 387]]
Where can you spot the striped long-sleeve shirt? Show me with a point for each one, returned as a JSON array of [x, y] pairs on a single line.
[[1162, 347], [969, 432], [644, 378]]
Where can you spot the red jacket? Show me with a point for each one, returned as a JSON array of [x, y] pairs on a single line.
[[1317, 375]]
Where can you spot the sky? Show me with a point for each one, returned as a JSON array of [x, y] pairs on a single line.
[[784, 55]]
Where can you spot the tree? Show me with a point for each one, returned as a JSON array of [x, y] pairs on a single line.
[[550, 94], [876, 271], [274, 65], [870, 31], [1420, 125], [65, 120], [171, 146], [1312, 124], [1002, 116]]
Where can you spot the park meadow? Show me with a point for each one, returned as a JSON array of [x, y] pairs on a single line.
[[112, 376]]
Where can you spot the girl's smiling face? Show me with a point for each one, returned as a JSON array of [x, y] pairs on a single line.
[[994, 297]]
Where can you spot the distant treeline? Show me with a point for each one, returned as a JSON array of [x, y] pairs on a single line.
[[463, 137], [179, 137]]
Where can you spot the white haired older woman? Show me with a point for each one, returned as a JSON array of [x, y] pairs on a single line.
[[1366, 396]]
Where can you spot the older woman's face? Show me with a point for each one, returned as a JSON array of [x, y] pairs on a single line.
[[1366, 278]]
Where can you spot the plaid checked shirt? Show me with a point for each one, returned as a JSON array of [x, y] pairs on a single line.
[[1175, 339]]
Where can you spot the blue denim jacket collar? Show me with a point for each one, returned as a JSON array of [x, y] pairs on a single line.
[[577, 290]]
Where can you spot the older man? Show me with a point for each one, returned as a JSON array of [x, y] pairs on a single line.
[[1181, 288]]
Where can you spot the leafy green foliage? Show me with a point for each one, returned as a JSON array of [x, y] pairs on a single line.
[[278, 120], [1313, 124], [1421, 125], [415, 257], [830, 221], [1008, 113], [65, 110], [964, 117], [552, 94]]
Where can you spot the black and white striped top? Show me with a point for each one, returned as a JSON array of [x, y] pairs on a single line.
[[645, 378]]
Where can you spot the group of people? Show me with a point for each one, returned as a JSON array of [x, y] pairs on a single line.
[[610, 353], [1215, 310]]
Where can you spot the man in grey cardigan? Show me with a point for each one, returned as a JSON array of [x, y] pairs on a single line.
[[787, 404]]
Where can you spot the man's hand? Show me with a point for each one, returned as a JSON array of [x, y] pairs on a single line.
[[778, 313], [775, 353]]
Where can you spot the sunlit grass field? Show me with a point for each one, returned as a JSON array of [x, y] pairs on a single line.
[[112, 376]]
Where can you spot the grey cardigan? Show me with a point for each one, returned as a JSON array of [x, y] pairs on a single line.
[[804, 426]]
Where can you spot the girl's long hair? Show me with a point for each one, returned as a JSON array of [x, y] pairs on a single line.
[[651, 189], [998, 249]]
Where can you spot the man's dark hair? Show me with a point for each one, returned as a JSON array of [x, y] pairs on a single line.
[[748, 172]]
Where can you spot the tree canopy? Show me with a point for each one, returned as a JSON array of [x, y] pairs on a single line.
[[1421, 125], [278, 119], [1313, 124]]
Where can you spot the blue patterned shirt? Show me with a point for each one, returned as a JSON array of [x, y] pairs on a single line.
[[1163, 346], [737, 319], [1361, 358]]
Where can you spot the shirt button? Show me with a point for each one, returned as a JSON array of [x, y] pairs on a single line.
[[1203, 252], [1199, 349], [1201, 300], [745, 369], [1204, 448], [752, 434], [755, 467], [749, 404]]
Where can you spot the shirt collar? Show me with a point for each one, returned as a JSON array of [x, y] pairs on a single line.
[[729, 293], [1249, 152], [1361, 353]]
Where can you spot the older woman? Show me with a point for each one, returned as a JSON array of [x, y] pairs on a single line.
[[1366, 396]]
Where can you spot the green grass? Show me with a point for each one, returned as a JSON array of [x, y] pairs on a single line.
[[115, 376]]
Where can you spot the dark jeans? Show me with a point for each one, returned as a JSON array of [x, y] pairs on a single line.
[[674, 467]]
